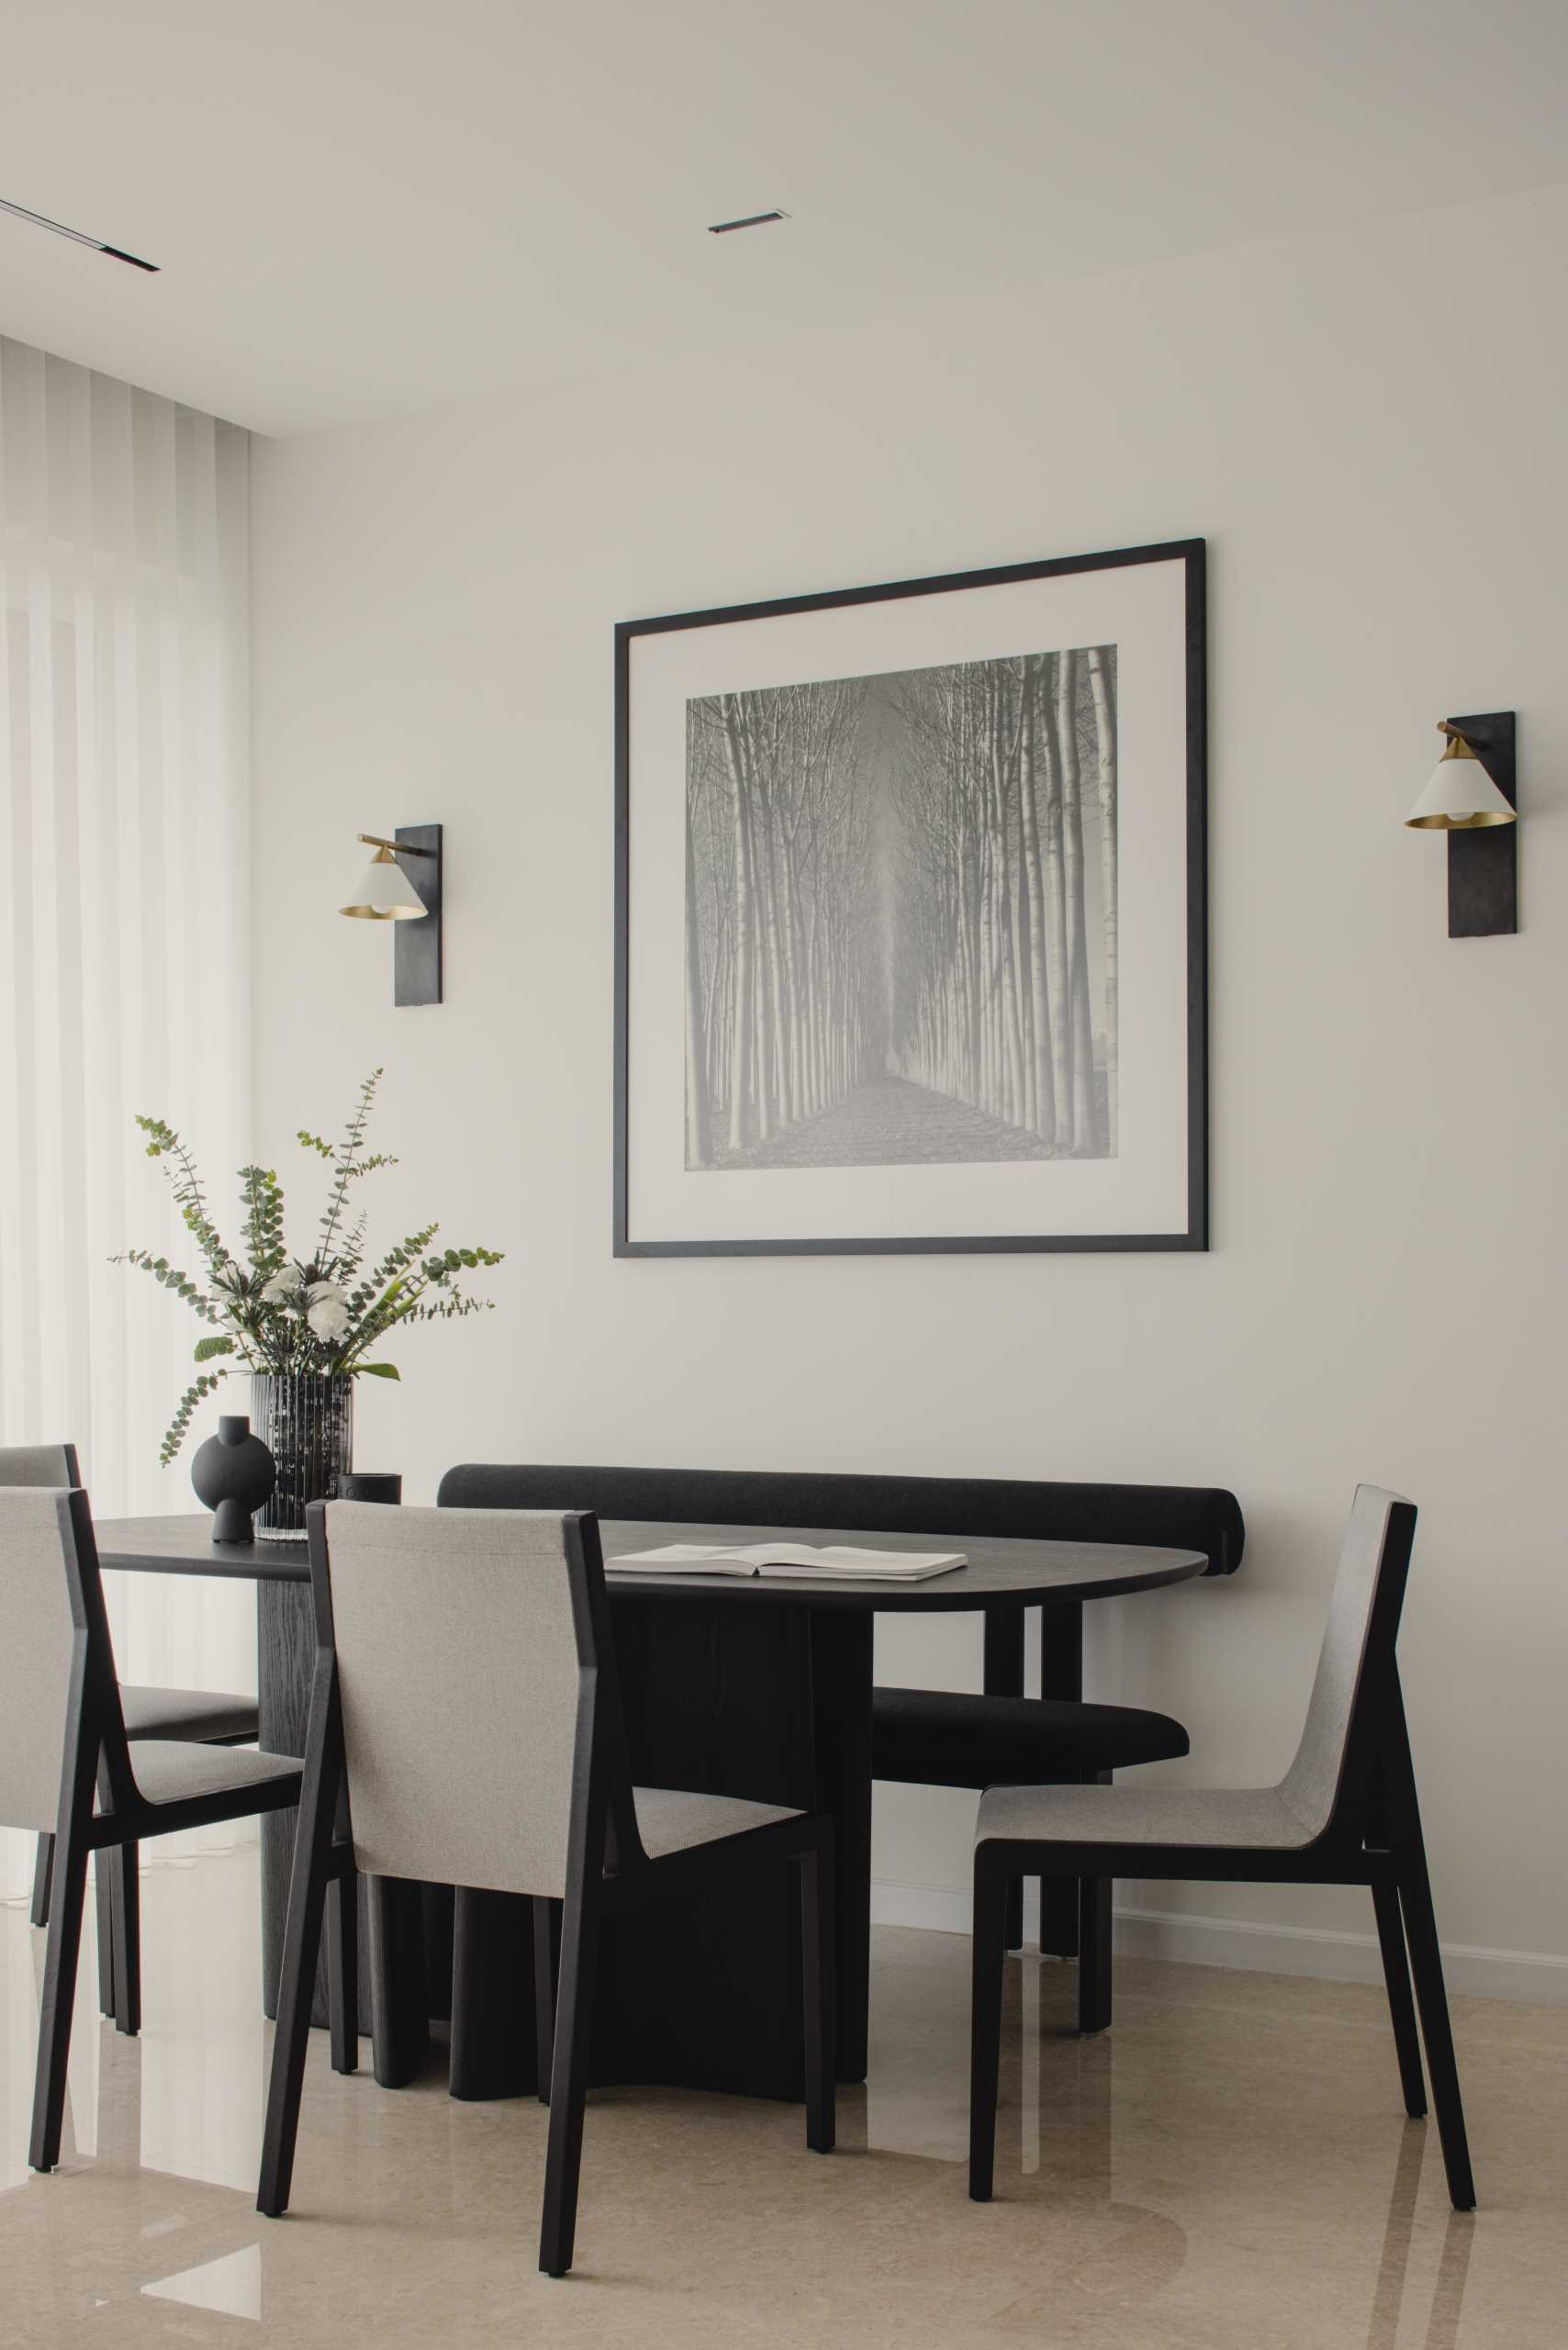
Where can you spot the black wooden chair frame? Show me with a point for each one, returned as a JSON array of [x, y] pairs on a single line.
[[607, 1871], [1373, 1838], [97, 1768]]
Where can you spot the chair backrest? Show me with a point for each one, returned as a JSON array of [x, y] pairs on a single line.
[[38, 1464], [1356, 1683], [56, 1675], [1181, 1517], [477, 1688]]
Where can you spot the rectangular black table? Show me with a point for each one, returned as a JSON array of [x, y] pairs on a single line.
[[746, 1686]]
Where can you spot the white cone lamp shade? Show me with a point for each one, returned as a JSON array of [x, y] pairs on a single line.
[[1461, 797], [385, 893]]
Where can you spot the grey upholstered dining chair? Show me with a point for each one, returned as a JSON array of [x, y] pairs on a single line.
[[1345, 1813], [205, 1717], [65, 1760], [466, 1702]]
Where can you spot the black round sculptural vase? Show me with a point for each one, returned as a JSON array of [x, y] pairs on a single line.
[[233, 1472]]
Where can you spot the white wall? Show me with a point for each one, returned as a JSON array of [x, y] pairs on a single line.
[[1382, 494]]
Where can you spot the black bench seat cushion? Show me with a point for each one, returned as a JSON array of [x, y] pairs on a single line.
[[940, 1738], [1174, 1518]]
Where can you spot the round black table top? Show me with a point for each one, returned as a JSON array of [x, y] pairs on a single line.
[[999, 1574]]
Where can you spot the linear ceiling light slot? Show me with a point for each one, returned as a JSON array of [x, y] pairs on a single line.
[[77, 236], [752, 220]]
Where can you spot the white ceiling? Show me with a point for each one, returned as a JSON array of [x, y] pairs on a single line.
[[362, 207]]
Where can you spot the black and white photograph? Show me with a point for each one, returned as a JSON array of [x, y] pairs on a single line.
[[901, 915], [901, 919]]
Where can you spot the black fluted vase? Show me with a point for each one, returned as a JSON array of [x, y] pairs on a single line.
[[233, 1473], [307, 1422]]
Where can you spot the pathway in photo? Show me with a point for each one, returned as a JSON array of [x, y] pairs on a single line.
[[892, 1122]]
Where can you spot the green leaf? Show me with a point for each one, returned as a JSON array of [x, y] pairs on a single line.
[[379, 1370], [206, 1347]]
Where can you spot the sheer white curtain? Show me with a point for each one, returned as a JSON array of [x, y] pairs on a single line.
[[124, 943]]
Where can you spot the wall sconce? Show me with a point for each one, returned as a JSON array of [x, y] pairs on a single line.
[[384, 892], [1473, 797]]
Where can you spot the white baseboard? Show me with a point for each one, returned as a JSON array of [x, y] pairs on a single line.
[[1272, 1950]]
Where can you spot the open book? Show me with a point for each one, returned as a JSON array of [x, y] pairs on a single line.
[[834, 1561]]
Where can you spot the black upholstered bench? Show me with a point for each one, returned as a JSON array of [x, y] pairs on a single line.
[[945, 1738]]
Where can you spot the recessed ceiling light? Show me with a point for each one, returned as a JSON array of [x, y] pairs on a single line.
[[752, 220], [77, 236]]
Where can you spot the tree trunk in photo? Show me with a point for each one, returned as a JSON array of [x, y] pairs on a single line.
[[1105, 740], [1083, 1120], [1056, 918], [1034, 882], [699, 1145], [739, 1037]]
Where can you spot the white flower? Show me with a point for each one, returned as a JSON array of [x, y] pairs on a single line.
[[330, 1317], [284, 1287], [318, 1290]]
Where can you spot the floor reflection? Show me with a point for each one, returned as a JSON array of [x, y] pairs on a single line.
[[232, 2284], [1394, 2297], [1226, 2169]]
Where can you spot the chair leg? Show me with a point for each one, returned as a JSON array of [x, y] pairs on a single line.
[[1427, 1965], [545, 1947], [1093, 1936], [104, 1903], [67, 1902], [297, 1991], [568, 2085], [342, 1965], [985, 2022], [1401, 2008], [817, 1965], [1058, 1916], [1094, 1953], [125, 1881], [43, 1867]]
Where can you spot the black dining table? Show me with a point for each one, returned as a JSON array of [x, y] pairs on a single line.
[[756, 1686]]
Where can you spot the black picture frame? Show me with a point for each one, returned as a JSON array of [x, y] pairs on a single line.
[[1191, 554]]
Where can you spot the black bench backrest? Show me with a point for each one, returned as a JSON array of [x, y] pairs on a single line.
[[1173, 1517]]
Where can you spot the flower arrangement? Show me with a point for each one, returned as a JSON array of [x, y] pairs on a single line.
[[284, 1315]]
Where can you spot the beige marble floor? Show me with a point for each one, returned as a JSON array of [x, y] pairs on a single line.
[[1228, 2169]]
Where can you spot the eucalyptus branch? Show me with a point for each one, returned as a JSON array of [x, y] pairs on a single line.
[[190, 1196], [346, 1158], [175, 1434], [284, 1316]]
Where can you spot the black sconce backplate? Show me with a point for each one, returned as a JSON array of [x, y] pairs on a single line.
[[416, 948], [1484, 866]]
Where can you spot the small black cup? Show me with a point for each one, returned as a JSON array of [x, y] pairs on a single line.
[[368, 1485]]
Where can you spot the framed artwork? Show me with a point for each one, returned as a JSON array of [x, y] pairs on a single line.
[[911, 916]]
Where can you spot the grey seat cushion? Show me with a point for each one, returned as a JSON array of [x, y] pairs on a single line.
[[670, 1820], [1237, 1817], [171, 1770], [943, 1738], [187, 1713]]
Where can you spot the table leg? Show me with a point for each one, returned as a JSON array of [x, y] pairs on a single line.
[[841, 1714], [398, 1982], [494, 2046], [1061, 1675], [1004, 1678], [706, 1993]]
